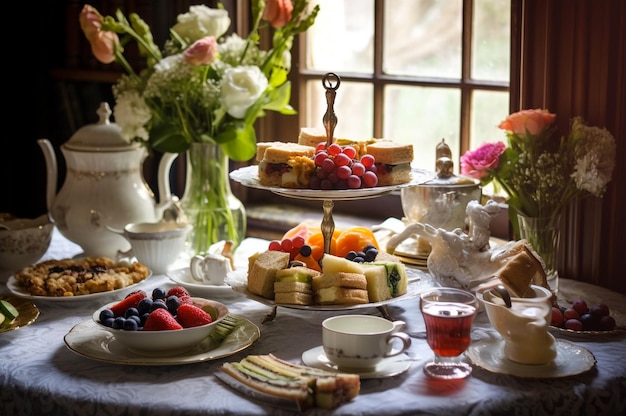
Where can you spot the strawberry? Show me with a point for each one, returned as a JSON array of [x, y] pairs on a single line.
[[161, 320], [177, 291], [185, 299], [130, 301], [190, 316]]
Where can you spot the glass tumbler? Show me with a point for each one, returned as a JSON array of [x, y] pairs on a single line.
[[448, 314]]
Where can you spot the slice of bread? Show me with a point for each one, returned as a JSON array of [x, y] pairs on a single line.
[[340, 279], [312, 136], [262, 273], [520, 271], [389, 152], [336, 295], [293, 298]]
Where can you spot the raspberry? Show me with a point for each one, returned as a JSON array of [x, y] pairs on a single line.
[[177, 291]]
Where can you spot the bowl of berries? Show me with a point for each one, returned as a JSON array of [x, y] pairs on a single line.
[[163, 323]]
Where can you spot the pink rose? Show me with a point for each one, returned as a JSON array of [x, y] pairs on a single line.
[[477, 163], [278, 12], [102, 43], [531, 122], [202, 51]]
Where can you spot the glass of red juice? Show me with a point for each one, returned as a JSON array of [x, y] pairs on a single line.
[[448, 314]]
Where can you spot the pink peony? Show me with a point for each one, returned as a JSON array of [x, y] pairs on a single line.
[[278, 12], [531, 122], [477, 163], [202, 51]]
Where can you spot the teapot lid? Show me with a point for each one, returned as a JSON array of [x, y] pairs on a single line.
[[444, 166], [101, 136]]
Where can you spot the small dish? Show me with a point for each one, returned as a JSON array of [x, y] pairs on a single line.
[[28, 313], [388, 367], [18, 290], [184, 278], [588, 335], [87, 339], [571, 359]]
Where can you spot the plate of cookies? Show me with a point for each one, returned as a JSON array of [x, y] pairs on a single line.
[[81, 279]]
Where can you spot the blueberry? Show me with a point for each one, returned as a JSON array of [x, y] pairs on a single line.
[[108, 322], [131, 312], [135, 318], [118, 323], [158, 293], [369, 247], [370, 255], [106, 314], [358, 259], [157, 305], [144, 306], [351, 255], [172, 304], [306, 250], [130, 325]]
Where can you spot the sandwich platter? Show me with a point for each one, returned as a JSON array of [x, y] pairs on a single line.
[[248, 176], [418, 281]]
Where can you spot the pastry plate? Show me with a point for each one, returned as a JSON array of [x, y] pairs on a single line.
[[238, 281], [571, 359], [388, 367], [28, 312], [248, 176], [88, 340], [184, 278], [18, 290]]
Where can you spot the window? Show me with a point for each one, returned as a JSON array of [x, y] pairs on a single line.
[[414, 71]]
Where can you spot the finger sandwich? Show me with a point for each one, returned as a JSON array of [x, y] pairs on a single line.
[[293, 285], [392, 161], [287, 165], [340, 288], [262, 269]]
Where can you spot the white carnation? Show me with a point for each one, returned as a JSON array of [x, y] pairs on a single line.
[[132, 114]]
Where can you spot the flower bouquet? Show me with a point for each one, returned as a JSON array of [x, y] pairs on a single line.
[[203, 88]]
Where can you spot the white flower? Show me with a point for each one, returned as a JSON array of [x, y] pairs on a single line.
[[132, 114], [241, 87], [202, 21]]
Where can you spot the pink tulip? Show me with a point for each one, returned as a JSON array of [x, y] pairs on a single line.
[[278, 12], [102, 43], [202, 51]]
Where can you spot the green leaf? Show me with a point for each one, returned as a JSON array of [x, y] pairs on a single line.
[[239, 144]]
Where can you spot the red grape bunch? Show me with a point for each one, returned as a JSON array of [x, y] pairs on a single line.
[[337, 168]]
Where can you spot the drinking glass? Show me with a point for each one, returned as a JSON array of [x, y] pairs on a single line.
[[448, 314]]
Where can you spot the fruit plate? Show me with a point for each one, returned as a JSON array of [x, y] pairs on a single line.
[[238, 280], [18, 290], [90, 341], [28, 312], [620, 328], [248, 176]]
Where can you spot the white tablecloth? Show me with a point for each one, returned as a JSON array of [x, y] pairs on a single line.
[[39, 375]]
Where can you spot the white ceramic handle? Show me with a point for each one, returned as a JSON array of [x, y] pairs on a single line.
[[406, 343], [196, 268]]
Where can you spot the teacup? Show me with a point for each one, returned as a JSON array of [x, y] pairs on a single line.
[[523, 325], [360, 342], [157, 245], [210, 269]]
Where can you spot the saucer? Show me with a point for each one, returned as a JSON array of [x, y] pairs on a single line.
[[571, 359], [90, 341], [388, 367], [28, 313], [184, 278]]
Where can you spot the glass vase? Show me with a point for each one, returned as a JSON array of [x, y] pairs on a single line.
[[543, 234], [208, 202]]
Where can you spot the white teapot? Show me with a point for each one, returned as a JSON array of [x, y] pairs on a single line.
[[104, 187]]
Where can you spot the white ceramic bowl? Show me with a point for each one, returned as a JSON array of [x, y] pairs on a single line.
[[24, 242], [164, 343]]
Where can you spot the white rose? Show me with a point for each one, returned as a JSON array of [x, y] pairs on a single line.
[[202, 21], [241, 87], [132, 114]]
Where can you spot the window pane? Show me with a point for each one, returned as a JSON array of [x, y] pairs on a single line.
[[342, 38], [353, 108], [488, 110], [423, 116], [423, 38], [491, 40]]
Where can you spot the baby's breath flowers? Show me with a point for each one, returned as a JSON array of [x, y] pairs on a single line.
[[540, 173]]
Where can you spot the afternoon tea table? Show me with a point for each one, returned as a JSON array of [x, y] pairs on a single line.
[[41, 375]]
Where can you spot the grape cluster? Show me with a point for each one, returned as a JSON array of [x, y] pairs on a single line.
[[293, 246], [368, 254], [579, 317], [337, 168]]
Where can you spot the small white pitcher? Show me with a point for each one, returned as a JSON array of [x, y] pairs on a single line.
[[523, 325], [210, 269]]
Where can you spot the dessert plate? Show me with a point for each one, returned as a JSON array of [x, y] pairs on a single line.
[[239, 282], [388, 367], [18, 290], [184, 278], [88, 340], [571, 359], [28, 312]]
